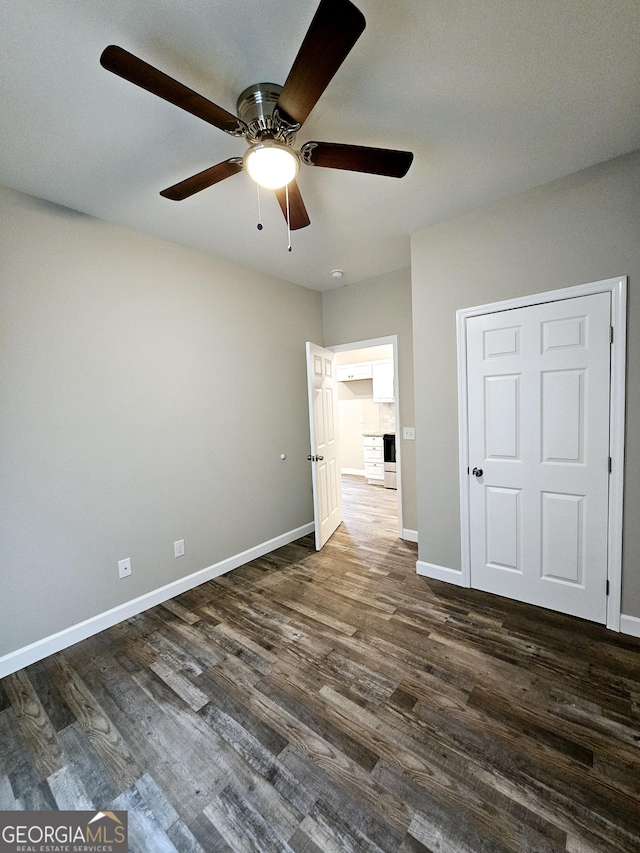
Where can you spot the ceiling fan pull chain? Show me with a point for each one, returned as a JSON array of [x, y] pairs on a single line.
[[259, 213], [288, 219]]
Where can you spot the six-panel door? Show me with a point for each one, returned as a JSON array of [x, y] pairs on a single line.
[[538, 380], [323, 429]]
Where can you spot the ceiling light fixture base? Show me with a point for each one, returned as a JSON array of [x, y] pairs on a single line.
[[256, 108]]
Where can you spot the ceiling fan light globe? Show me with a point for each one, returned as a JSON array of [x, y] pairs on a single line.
[[271, 164]]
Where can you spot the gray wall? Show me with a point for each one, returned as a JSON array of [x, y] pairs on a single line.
[[146, 393], [575, 230], [372, 309]]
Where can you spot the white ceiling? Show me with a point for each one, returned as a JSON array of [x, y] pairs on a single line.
[[492, 96]]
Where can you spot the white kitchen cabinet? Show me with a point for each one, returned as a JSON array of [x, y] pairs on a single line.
[[349, 372], [373, 459], [382, 372]]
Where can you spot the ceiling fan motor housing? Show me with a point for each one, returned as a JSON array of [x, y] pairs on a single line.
[[255, 108]]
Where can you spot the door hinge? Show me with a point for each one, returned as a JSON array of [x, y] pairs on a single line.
[[607, 587], [609, 464], [610, 334]]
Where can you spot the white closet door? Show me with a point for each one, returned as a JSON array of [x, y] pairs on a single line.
[[538, 380]]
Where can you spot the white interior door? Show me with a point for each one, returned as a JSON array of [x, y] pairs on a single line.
[[538, 386], [324, 433]]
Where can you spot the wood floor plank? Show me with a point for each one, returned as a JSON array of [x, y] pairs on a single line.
[[221, 700], [477, 810], [180, 611], [319, 724], [16, 760], [370, 821], [38, 798], [4, 699], [144, 830], [237, 831], [530, 724], [7, 799], [194, 640], [68, 790], [185, 772], [335, 701], [87, 766], [180, 685], [174, 654], [155, 800], [184, 840], [337, 826], [56, 708], [300, 842], [36, 726], [452, 837], [103, 735], [320, 752], [208, 836]]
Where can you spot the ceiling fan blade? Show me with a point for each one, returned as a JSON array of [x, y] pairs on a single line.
[[140, 73], [334, 30], [297, 210], [192, 185], [357, 158]]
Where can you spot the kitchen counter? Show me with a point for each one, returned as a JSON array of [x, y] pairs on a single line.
[[377, 434]]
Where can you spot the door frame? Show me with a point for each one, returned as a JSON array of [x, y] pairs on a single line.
[[376, 342], [617, 287]]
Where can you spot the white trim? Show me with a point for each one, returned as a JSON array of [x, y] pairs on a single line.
[[370, 342], [607, 284], [616, 448], [630, 625], [439, 573], [463, 439], [409, 535], [377, 342], [617, 287], [356, 472], [20, 658]]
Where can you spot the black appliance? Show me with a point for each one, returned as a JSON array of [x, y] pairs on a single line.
[[389, 445]]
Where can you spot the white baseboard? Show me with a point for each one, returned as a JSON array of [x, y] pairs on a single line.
[[409, 535], [630, 625], [357, 472], [439, 573], [20, 658]]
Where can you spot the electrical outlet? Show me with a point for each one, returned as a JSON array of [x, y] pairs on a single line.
[[124, 567], [178, 548]]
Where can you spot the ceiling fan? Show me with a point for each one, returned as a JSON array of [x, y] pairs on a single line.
[[269, 115]]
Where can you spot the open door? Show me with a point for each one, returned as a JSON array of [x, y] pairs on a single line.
[[323, 430]]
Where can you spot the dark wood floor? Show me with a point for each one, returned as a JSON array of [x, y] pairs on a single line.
[[337, 702]]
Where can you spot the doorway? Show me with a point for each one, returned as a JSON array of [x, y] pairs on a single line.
[[368, 404]]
